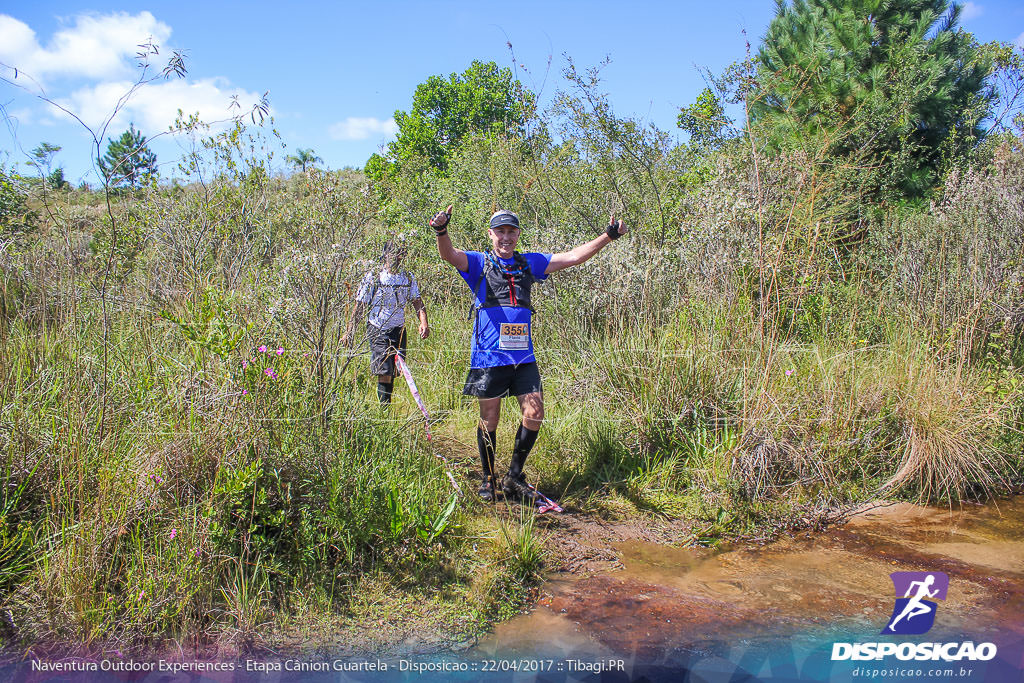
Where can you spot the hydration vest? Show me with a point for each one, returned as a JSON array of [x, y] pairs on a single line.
[[377, 285], [505, 286], [394, 289]]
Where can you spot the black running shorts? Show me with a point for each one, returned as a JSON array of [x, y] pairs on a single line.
[[383, 345], [503, 380]]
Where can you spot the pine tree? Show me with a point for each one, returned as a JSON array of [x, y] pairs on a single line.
[[128, 160], [892, 82]]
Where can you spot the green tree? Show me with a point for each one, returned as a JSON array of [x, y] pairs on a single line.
[[892, 82], [303, 158], [42, 156], [128, 160], [42, 160], [704, 120], [1008, 82], [483, 99], [56, 180]]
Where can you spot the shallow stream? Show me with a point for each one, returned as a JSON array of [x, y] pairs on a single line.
[[673, 607]]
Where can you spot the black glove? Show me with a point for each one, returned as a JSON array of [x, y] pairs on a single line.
[[613, 230], [440, 222]]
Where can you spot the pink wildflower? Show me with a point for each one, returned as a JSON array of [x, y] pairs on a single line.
[[244, 392], [280, 350], [245, 364], [788, 373], [174, 532], [156, 478], [269, 372], [262, 349]]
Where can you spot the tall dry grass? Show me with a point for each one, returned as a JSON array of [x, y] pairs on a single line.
[[689, 375]]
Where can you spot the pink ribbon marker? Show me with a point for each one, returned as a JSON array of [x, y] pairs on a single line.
[[545, 504], [426, 416]]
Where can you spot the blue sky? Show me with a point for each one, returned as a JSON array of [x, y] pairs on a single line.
[[337, 71]]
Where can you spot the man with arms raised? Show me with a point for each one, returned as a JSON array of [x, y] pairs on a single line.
[[502, 361]]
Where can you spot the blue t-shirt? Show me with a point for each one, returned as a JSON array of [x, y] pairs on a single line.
[[490, 347]]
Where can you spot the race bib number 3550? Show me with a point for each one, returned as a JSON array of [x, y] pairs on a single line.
[[514, 336]]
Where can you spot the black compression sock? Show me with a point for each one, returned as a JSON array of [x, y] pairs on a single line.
[[525, 439], [486, 443], [384, 392]]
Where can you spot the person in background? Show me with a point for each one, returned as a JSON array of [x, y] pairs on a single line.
[[383, 296]]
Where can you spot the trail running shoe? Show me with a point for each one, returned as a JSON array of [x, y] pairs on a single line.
[[487, 490], [517, 488]]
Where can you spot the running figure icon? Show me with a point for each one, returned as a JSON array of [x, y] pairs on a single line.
[[914, 613], [915, 607]]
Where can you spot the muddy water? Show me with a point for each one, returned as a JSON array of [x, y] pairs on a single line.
[[670, 602]]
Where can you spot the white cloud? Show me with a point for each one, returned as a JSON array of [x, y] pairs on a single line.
[[154, 107], [360, 128], [971, 10], [1019, 42], [95, 46], [22, 116]]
